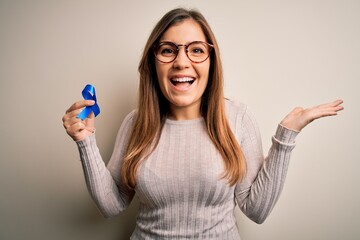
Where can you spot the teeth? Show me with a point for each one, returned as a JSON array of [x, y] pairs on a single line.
[[184, 79]]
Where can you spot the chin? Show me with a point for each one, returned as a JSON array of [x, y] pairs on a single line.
[[185, 103]]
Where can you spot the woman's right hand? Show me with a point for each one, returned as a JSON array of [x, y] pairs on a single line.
[[76, 128]]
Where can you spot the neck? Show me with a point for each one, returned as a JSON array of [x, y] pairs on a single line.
[[184, 113]]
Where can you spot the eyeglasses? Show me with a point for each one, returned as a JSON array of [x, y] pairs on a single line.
[[197, 51]]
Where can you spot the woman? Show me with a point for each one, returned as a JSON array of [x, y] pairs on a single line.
[[189, 154]]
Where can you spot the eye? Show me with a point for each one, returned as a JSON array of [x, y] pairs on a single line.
[[167, 50], [197, 48]]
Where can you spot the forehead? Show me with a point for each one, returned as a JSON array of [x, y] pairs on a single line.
[[184, 32]]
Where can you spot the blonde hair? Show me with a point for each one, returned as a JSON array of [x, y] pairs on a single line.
[[153, 107]]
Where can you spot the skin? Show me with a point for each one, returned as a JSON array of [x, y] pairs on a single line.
[[185, 101], [299, 117], [296, 120], [76, 128]]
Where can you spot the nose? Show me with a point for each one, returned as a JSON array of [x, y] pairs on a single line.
[[181, 61]]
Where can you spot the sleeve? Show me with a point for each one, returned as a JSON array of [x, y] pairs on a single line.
[[258, 192], [103, 182]]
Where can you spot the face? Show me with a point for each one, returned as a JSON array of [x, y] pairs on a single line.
[[183, 82]]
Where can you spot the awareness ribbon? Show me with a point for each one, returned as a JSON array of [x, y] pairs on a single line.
[[89, 94]]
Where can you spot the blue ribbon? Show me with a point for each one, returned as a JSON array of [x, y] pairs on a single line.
[[89, 94]]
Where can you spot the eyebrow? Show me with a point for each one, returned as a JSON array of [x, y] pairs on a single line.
[[182, 43]]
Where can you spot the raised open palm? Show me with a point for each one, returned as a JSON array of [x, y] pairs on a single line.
[[298, 118]]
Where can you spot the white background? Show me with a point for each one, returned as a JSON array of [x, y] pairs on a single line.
[[276, 54]]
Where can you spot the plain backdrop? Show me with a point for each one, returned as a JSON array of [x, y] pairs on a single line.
[[276, 54]]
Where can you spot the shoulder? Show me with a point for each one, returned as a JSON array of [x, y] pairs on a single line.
[[128, 121], [232, 105], [126, 126], [240, 118], [235, 110], [131, 116]]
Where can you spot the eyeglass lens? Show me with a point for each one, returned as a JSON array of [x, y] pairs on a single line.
[[196, 51]]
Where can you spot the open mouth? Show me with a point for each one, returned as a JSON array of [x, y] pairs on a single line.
[[182, 82]]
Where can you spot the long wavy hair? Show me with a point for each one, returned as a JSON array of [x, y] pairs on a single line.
[[153, 107]]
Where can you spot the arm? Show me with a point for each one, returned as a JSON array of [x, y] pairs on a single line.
[[103, 182], [259, 191]]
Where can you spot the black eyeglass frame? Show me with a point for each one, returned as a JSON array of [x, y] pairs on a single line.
[[157, 45]]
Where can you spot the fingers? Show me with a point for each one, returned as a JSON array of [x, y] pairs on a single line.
[[71, 114], [76, 108], [337, 102], [91, 116], [80, 104], [325, 110], [72, 124], [331, 107], [298, 118], [333, 104], [337, 105], [75, 127], [77, 130], [68, 122]]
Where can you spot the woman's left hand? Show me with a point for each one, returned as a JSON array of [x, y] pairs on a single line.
[[298, 118]]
